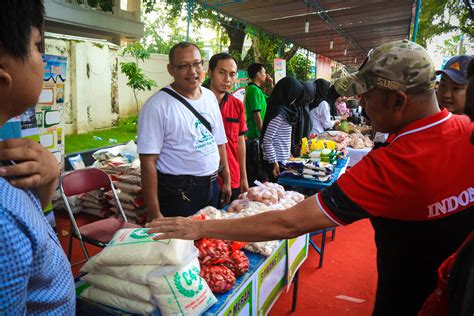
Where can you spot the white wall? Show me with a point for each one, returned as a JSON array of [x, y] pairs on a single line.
[[155, 68], [97, 94]]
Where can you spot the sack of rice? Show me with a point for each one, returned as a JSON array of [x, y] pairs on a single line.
[[134, 246], [135, 274], [181, 290], [133, 291], [100, 296]]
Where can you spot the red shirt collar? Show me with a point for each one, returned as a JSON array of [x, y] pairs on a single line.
[[422, 124]]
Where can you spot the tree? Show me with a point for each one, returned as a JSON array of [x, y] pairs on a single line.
[[451, 46], [137, 80], [300, 67], [443, 16], [265, 47]]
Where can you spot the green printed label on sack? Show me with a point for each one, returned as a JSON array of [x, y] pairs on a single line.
[[135, 236], [189, 277]]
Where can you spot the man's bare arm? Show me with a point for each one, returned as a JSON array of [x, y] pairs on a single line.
[[150, 185], [241, 150], [303, 218], [258, 120]]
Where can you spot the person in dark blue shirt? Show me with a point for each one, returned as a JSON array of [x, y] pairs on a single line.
[[35, 276]]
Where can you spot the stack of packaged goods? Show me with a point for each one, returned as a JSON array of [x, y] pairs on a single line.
[[317, 162], [121, 163], [93, 202], [261, 198], [138, 275]]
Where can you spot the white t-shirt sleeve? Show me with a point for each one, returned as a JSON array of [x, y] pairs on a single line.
[[150, 128], [326, 115]]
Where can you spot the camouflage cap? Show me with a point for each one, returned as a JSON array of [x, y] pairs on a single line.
[[400, 65]]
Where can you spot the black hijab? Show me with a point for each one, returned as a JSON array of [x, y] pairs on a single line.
[[285, 92], [303, 126], [322, 89]]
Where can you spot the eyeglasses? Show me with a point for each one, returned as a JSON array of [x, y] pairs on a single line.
[[186, 67]]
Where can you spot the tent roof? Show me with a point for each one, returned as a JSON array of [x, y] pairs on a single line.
[[355, 25]]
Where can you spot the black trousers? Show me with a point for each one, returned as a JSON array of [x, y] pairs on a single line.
[[184, 195]]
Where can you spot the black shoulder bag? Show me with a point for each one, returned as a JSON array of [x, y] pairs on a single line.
[[190, 108]]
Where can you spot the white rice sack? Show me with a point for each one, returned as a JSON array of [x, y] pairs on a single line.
[[181, 290], [123, 303], [134, 246], [135, 274], [133, 291]]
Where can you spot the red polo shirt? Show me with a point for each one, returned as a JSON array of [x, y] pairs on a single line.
[[418, 193], [233, 116], [413, 172]]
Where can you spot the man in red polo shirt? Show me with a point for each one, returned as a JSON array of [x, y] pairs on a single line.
[[418, 191], [222, 75]]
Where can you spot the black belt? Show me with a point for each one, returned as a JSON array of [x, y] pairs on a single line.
[[171, 177]]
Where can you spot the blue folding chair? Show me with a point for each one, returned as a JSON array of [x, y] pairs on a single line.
[[320, 250]]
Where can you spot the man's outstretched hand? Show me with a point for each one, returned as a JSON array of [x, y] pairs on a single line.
[[176, 227]]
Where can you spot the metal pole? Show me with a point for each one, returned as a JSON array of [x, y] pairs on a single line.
[[461, 44], [417, 16], [190, 9]]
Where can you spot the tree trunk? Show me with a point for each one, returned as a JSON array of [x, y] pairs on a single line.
[[237, 37], [289, 54]]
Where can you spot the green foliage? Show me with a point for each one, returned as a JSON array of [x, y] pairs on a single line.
[[137, 80], [442, 16], [300, 67], [137, 51], [93, 3], [106, 5], [265, 47], [450, 46]]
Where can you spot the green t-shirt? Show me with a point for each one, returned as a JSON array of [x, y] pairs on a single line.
[[255, 100]]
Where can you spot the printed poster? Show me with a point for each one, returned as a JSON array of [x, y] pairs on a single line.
[[279, 69], [51, 106]]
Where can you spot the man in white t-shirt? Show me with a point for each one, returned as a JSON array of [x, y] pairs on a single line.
[[179, 156]]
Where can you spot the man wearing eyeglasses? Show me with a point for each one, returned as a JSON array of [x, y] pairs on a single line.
[[181, 142]]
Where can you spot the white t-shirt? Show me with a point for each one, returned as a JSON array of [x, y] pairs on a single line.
[[321, 118], [166, 127]]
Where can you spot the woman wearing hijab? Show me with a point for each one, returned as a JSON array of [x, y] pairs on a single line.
[[303, 125], [281, 115], [320, 110]]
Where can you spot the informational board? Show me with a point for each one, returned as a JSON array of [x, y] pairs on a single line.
[[271, 279], [297, 250], [244, 301], [279, 69], [50, 108]]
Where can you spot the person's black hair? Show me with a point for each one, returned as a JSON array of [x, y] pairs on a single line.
[[470, 69], [215, 59], [17, 17], [254, 69], [180, 45]]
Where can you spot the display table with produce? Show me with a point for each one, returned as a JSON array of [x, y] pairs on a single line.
[[140, 275], [253, 293], [339, 169]]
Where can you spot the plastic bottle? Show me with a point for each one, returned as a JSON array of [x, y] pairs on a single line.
[[97, 137], [113, 141]]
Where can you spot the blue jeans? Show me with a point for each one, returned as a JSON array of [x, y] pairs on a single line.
[[184, 195]]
